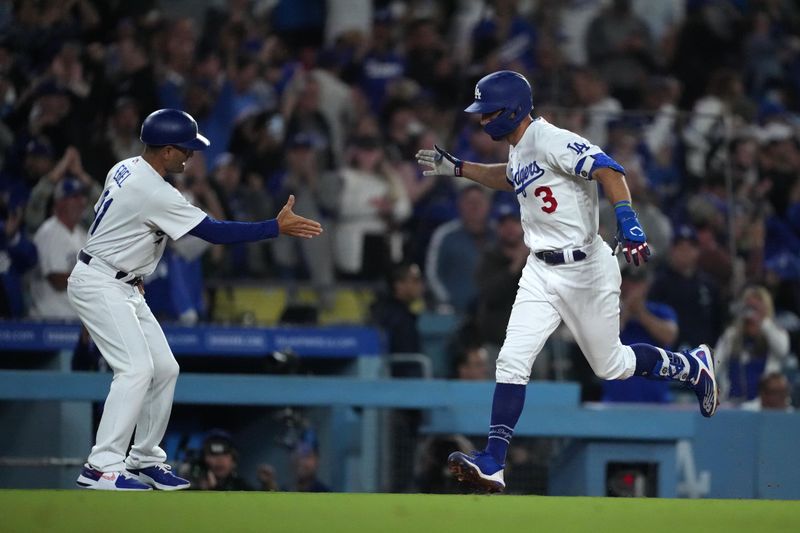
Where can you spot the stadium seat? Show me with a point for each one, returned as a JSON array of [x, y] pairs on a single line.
[[262, 306], [351, 306]]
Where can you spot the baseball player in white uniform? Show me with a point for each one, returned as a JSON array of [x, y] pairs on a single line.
[[136, 214], [571, 274]]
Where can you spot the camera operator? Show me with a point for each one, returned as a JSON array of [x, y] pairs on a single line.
[[217, 468], [752, 346]]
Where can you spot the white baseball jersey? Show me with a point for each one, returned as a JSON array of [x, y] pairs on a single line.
[[549, 169], [135, 211], [58, 247]]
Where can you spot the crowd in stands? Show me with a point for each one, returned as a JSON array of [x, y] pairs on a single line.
[[697, 99]]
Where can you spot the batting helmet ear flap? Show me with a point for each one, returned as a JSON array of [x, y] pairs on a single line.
[[506, 90], [172, 126]]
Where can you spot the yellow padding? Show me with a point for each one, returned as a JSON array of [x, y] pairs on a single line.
[[265, 306], [350, 306], [249, 304]]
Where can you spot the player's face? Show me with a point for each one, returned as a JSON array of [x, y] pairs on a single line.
[[176, 158], [488, 117]]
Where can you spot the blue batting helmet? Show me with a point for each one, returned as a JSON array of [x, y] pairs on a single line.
[[172, 127], [506, 90]]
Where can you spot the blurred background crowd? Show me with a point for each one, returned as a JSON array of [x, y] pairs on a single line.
[[329, 101]]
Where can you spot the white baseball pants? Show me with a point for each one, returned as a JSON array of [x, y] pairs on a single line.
[[585, 295], [145, 371]]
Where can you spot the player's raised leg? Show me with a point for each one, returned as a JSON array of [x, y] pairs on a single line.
[[525, 337], [598, 338], [146, 459]]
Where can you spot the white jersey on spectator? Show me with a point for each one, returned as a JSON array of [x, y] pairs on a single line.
[[57, 247], [136, 210], [559, 205]]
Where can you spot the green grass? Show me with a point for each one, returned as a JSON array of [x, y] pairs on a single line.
[[88, 511]]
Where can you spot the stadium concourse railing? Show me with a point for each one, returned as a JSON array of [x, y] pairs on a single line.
[[736, 454]]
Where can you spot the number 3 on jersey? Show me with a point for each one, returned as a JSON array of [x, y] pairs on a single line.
[[101, 211], [546, 194]]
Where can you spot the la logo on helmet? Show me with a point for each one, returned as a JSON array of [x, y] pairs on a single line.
[[477, 93]]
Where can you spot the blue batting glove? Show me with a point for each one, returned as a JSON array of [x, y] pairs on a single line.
[[630, 234]]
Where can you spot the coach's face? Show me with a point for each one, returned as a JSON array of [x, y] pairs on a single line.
[[175, 158]]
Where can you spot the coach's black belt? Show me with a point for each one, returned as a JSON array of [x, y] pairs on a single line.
[[558, 257], [86, 258]]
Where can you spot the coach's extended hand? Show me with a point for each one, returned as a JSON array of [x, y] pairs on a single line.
[[294, 225], [440, 161]]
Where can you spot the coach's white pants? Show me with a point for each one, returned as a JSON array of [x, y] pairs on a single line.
[[585, 295], [145, 371]]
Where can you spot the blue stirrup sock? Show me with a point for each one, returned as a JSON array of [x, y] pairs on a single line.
[[651, 364], [507, 405]]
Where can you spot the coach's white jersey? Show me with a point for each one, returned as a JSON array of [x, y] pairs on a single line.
[[549, 169], [136, 210]]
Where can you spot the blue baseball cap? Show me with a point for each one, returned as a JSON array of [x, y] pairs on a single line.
[[39, 146], [505, 210], [68, 187], [300, 140], [684, 232]]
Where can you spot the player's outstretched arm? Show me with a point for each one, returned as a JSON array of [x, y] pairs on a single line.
[[292, 224], [230, 232], [443, 163]]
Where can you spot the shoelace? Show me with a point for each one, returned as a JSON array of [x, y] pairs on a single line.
[[679, 367]]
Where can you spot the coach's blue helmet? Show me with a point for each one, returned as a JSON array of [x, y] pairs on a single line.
[[506, 90], [172, 127]]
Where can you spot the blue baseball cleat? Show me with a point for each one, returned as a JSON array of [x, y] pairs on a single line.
[[705, 382], [478, 469], [694, 369], [160, 477], [91, 478]]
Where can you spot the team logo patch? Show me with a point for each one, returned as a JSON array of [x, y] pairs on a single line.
[[578, 148], [477, 93]]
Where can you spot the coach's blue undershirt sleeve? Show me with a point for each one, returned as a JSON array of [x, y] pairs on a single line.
[[230, 232]]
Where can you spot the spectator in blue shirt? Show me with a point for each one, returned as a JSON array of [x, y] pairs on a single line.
[[752, 346], [381, 65], [17, 256]]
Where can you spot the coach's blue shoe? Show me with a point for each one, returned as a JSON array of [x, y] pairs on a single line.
[[91, 478], [478, 469], [160, 477], [704, 382]]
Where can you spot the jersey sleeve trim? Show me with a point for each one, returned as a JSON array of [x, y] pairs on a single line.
[[190, 225], [595, 162]]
